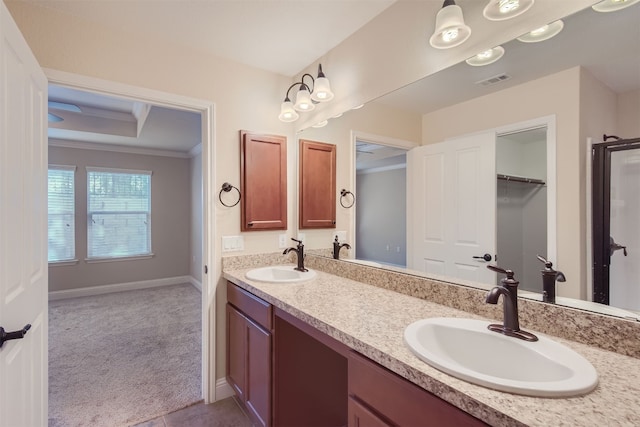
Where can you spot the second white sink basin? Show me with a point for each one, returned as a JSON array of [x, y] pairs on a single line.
[[280, 274], [466, 349]]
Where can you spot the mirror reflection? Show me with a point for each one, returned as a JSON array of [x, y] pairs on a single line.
[[585, 82]]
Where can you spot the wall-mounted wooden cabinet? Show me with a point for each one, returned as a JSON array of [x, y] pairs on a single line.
[[317, 184], [263, 182]]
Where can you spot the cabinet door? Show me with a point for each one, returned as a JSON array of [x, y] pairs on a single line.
[[400, 401], [258, 395], [361, 416], [263, 182], [317, 184], [236, 351]]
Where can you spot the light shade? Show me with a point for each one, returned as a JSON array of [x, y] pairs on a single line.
[[287, 112], [321, 87], [487, 57], [543, 33], [451, 30], [612, 5], [499, 10], [303, 100]]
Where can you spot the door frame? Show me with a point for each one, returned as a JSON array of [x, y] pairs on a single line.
[[207, 111], [601, 213], [379, 140]]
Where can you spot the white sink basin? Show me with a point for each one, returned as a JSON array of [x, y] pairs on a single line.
[[466, 349], [280, 274]]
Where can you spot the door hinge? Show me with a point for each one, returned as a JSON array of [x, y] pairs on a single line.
[[206, 269]]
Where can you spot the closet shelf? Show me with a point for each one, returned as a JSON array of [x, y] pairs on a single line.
[[521, 179]]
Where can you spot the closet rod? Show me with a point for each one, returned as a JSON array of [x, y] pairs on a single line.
[[521, 179]]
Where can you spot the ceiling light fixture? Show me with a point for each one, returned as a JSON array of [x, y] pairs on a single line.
[[451, 30], [499, 10], [543, 33], [487, 57], [613, 5], [307, 96]]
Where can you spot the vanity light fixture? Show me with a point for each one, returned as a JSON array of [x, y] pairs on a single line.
[[613, 5], [320, 124], [487, 57], [357, 107], [451, 31], [307, 96], [543, 33], [499, 10]]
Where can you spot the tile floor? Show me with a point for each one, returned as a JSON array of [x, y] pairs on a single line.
[[224, 413]]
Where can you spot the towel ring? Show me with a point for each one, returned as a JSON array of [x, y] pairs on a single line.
[[226, 187], [343, 194]]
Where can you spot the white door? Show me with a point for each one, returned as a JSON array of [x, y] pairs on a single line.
[[453, 203], [23, 229]]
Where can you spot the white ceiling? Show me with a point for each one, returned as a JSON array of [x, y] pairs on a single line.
[[607, 44], [282, 36]]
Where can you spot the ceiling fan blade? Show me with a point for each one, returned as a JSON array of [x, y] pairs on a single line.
[[64, 106]]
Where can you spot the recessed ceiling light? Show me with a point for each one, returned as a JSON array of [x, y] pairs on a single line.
[[613, 5], [543, 33], [487, 57], [320, 124], [499, 10]]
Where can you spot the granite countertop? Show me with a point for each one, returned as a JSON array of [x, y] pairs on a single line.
[[371, 320]]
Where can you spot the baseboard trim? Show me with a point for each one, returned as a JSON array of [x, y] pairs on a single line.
[[195, 283], [118, 287], [223, 389]]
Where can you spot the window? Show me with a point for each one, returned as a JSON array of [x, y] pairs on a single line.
[[119, 213], [61, 223]]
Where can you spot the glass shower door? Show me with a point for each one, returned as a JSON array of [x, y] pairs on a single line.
[[616, 223], [624, 242]]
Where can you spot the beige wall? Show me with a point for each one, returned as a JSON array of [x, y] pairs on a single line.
[[170, 218], [388, 53], [629, 114]]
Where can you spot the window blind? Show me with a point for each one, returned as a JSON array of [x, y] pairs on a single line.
[[61, 213], [119, 213]]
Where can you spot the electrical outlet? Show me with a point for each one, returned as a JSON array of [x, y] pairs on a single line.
[[282, 241]]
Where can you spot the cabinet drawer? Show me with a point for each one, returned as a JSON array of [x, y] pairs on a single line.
[[253, 307], [400, 401]]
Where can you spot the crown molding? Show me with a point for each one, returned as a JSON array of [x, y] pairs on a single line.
[[81, 145]]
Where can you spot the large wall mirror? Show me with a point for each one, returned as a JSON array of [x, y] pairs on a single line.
[[541, 105]]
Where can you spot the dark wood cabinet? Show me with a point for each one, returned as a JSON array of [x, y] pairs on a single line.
[[249, 352], [263, 182], [289, 374], [317, 184], [379, 397]]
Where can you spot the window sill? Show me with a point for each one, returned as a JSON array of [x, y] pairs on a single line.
[[63, 263], [126, 258]]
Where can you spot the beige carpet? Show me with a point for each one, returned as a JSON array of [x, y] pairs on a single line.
[[126, 357]]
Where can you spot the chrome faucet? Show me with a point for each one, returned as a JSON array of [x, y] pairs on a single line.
[[299, 250], [549, 278], [508, 288], [337, 246]]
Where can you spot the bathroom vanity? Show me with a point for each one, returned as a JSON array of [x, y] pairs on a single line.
[[330, 351]]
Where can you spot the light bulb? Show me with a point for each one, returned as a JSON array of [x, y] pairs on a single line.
[[507, 6], [449, 35]]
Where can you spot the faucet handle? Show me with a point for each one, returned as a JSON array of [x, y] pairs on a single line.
[[299, 242], [547, 264], [510, 275]]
